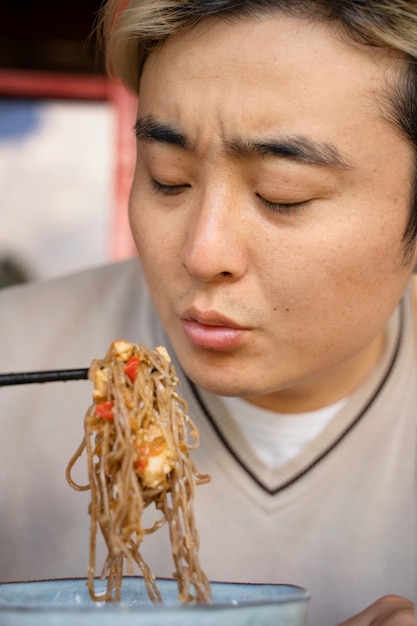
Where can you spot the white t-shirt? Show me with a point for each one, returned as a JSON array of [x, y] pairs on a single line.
[[277, 437]]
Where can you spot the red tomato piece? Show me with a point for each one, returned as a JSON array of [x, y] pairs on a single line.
[[105, 410], [131, 368]]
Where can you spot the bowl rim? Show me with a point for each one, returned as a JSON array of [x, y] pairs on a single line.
[[296, 594]]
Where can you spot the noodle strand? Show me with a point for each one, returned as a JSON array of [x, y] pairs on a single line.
[[137, 437]]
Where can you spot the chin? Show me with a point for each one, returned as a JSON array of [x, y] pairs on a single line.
[[233, 373], [221, 382]]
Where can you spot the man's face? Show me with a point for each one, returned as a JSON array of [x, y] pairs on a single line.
[[268, 207]]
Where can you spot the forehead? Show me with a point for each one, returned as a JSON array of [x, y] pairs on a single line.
[[224, 77]]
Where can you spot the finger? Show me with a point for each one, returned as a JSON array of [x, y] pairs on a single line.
[[390, 610]]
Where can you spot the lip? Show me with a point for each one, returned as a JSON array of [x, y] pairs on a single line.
[[212, 330]]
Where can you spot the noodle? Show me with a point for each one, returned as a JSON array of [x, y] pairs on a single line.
[[137, 442]]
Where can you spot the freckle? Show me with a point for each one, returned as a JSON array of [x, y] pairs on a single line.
[[287, 309]]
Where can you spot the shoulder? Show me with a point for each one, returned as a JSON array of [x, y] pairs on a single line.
[[70, 283], [76, 315]]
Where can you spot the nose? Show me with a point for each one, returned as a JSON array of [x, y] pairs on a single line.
[[215, 244]]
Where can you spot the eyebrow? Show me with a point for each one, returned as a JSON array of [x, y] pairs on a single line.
[[297, 148], [149, 129]]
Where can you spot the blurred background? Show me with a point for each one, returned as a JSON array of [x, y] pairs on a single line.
[[66, 145]]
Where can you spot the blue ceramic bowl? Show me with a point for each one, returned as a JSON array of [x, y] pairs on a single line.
[[66, 602]]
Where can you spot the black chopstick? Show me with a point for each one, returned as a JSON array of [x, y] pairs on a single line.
[[25, 378]]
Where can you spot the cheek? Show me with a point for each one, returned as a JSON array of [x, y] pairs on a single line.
[[155, 234], [339, 270], [359, 267], [139, 222]]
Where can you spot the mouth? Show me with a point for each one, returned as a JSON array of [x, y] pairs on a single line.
[[212, 330]]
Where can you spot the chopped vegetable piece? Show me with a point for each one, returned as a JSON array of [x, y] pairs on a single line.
[[131, 368], [105, 410]]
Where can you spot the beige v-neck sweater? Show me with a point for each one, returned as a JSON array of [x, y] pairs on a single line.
[[338, 519]]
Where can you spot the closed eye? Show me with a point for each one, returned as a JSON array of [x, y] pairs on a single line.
[[171, 190], [284, 208]]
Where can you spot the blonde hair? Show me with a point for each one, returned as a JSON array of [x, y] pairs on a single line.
[[131, 28]]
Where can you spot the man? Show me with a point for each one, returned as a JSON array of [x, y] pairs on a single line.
[[274, 211]]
